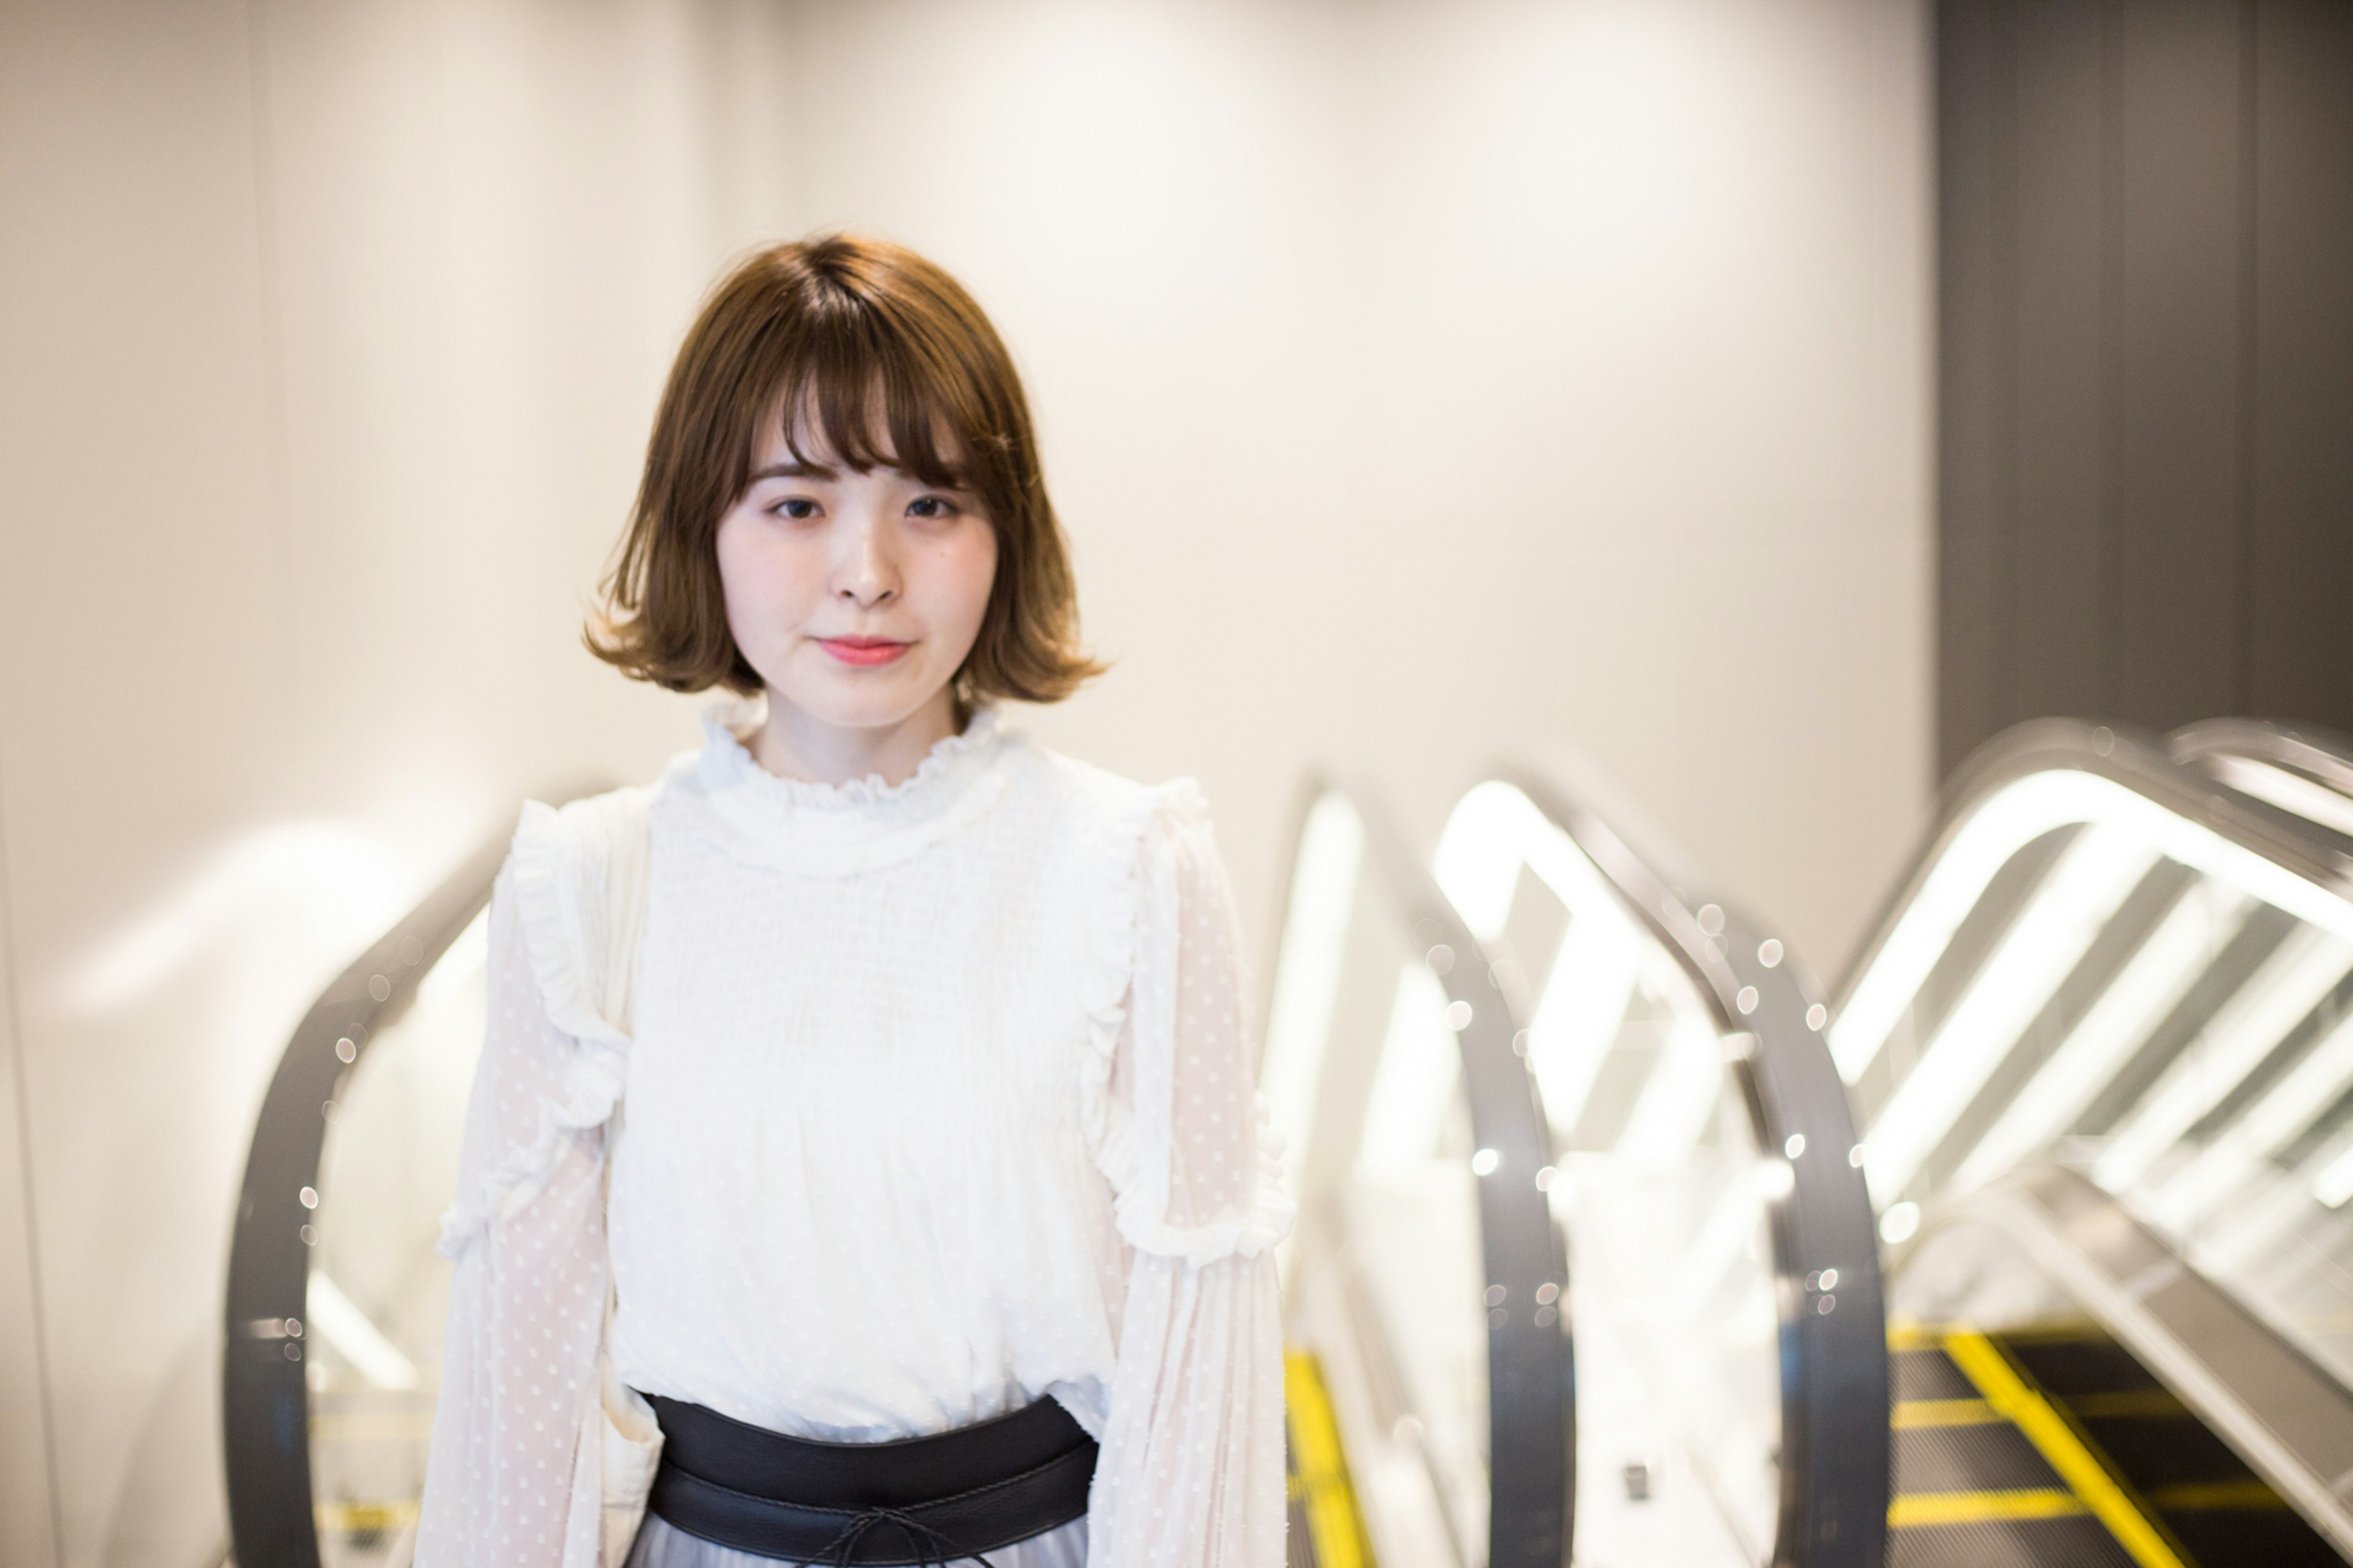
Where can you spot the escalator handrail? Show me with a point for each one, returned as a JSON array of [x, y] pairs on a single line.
[[1834, 1444], [2287, 1416], [264, 1397], [1531, 1405], [2139, 760]]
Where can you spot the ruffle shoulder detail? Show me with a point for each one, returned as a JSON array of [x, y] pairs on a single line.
[[1143, 840], [576, 875]]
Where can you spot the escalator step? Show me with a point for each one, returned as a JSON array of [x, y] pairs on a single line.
[[1985, 1459], [2077, 1541], [1926, 1373]]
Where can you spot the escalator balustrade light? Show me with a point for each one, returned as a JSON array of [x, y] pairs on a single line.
[[2005, 822], [308, 1197], [1775, 1178], [1546, 1177], [1484, 1161], [1794, 1146], [1745, 1001], [1768, 952], [1899, 1224], [1458, 1015], [1711, 919], [2076, 901], [345, 1051], [2334, 1185], [1817, 1017], [1854, 1157], [1441, 959]]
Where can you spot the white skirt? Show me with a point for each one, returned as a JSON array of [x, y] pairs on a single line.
[[660, 1545]]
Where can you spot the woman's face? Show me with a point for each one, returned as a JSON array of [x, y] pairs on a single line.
[[855, 596]]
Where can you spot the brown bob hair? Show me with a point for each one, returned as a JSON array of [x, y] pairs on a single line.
[[885, 357]]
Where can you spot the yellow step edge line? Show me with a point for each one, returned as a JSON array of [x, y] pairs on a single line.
[[2190, 1497], [348, 1516], [1335, 1527], [1915, 1511], [2056, 1441], [1903, 1334], [1908, 1415]]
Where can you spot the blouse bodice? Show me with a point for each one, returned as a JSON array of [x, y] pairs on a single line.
[[934, 1098]]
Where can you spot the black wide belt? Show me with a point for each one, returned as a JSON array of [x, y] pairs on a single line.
[[934, 1500]]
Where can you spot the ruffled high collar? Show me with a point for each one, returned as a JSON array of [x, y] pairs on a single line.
[[840, 829]]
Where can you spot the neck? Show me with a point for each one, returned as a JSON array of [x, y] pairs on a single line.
[[795, 744]]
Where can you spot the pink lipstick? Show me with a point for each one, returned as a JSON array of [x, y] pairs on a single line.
[[863, 650]]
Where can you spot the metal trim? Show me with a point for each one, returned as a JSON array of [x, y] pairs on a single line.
[[2181, 1326], [1834, 1412], [265, 1399], [2155, 768]]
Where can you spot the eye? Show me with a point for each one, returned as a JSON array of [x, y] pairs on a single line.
[[798, 508], [934, 507]]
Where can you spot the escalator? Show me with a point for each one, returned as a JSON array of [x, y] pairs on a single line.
[[1617, 1244], [1540, 1051], [1544, 1065], [2102, 1049]]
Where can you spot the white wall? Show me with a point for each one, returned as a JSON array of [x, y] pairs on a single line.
[[1416, 378]]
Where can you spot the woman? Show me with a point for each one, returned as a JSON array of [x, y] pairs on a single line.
[[864, 1165]]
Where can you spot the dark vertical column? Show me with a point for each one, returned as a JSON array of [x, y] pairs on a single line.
[[2170, 607], [2146, 318], [1971, 703], [2300, 594], [2056, 254]]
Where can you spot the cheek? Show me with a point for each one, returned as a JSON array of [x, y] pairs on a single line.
[[759, 572], [970, 571]]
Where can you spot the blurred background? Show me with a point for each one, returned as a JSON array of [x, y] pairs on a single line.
[[1418, 380]]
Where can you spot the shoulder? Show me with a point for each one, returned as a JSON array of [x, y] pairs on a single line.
[[1095, 805], [575, 875]]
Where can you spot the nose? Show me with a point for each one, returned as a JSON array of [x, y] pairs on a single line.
[[864, 571]]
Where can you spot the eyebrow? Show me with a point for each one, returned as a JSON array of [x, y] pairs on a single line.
[[794, 471]]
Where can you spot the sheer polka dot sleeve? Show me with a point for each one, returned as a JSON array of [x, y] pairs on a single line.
[[527, 1301], [1191, 1470]]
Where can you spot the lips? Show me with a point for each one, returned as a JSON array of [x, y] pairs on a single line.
[[863, 651]]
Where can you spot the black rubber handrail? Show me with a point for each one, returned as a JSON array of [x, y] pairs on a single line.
[[1834, 1395], [1531, 1394]]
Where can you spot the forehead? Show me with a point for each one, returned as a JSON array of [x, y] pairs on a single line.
[[825, 427]]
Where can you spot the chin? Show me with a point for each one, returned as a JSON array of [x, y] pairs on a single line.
[[877, 706]]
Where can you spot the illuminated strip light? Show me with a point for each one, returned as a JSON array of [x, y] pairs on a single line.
[[2334, 1185], [1682, 1089], [1494, 831], [2292, 1106], [1415, 1079], [2043, 946], [340, 1321], [2005, 822], [2289, 792], [1480, 854], [2259, 1014], [2149, 987], [1583, 1007], [1307, 974]]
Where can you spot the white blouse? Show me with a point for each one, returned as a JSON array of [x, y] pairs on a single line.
[[938, 1102]]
